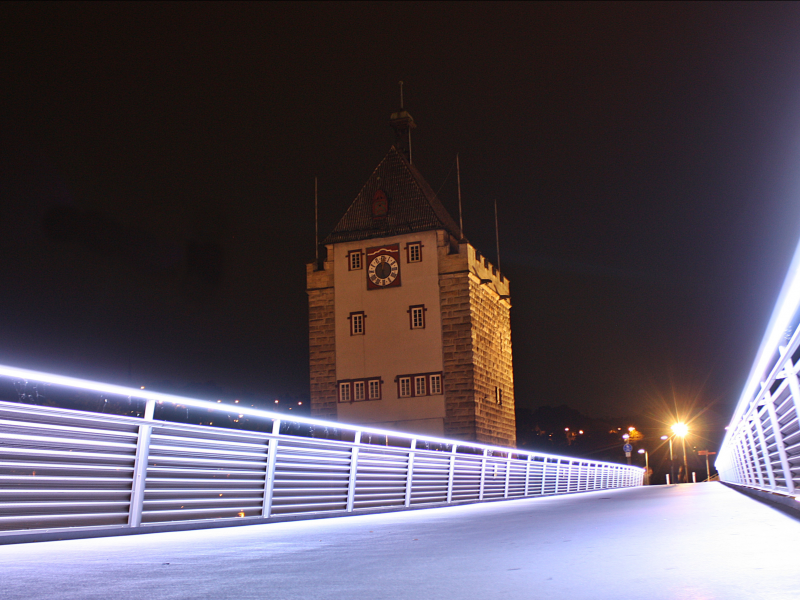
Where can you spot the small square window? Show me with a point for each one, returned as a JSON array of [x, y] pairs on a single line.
[[354, 262], [419, 386], [405, 387], [436, 385], [356, 323], [344, 392], [358, 390], [374, 389], [414, 252], [417, 316]]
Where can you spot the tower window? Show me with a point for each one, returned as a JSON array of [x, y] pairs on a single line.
[[417, 316], [354, 262], [374, 389], [358, 390], [414, 252], [436, 385], [419, 384], [498, 396], [357, 323], [344, 392]]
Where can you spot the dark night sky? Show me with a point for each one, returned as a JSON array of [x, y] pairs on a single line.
[[157, 164]]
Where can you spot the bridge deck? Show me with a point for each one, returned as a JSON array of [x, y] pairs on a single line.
[[701, 541]]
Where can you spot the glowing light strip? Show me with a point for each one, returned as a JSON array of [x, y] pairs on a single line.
[[110, 388], [782, 315]]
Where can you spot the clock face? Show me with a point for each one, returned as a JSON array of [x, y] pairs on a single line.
[[383, 270], [383, 267]]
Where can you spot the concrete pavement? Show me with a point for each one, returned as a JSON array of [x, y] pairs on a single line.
[[702, 541]]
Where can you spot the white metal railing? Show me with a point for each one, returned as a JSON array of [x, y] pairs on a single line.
[[73, 470], [762, 446]]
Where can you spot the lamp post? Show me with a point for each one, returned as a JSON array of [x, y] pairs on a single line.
[[646, 465], [627, 446], [671, 459], [706, 453], [682, 430]]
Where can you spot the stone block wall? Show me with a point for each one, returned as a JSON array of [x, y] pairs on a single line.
[[457, 343], [476, 344], [492, 366], [322, 340]]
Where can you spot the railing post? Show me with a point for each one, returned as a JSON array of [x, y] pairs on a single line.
[[544, 475], [508, 474], [742, 443], [269, 483], [741, 465], [745, 466], [794, 387], [140, 466], [483, 474], [451, 474], [558, 474], [776, 428], [410, 472], [569, 475], [351, 486], [527, 475], [747, 457], [754, 454], [764, 450]]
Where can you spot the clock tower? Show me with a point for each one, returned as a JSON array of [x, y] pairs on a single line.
[[409, 324]]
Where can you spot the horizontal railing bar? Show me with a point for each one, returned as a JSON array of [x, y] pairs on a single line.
[[68, 441], [58, 517], [7, 506], [6, 424], [197, 474], [6, 450]]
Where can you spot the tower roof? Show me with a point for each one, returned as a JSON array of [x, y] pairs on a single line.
[[412, 205]]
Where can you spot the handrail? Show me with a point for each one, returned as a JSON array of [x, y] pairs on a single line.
[[761, 448], [74, 471]]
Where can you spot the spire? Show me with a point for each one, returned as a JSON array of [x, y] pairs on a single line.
[[402, 123]]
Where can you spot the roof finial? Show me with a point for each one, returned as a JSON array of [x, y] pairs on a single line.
[[402, 123]]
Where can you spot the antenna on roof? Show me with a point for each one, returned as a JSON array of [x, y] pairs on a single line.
[[458, 180], [497, 234], [402, 123], [316, 225]]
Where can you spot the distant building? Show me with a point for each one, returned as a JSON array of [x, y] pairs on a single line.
[[409, 325]]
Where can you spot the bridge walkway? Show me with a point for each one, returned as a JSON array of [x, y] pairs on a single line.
[[702, 541]]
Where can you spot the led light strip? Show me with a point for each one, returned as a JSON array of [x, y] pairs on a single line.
[[782, 315], [110, 388]]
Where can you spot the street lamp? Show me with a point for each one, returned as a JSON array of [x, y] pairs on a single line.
[[671, 459], [682, 430], [646, 465]]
